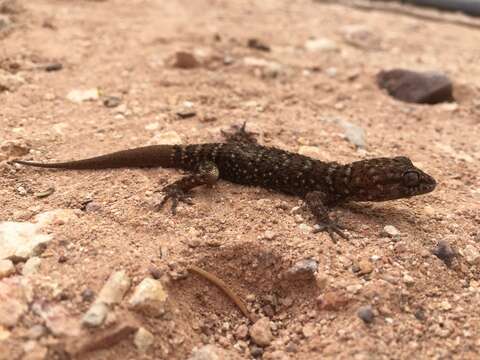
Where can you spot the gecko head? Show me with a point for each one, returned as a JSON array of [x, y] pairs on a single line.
[[384, 179]]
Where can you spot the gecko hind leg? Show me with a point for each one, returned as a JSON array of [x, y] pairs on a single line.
[[240, 135], [207, 173]]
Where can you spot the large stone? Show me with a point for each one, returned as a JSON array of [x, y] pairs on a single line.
[[22, 240], [416, 87], [111, 294], [96, 315], [143, 339], [149, 297], [114, 289], [261, 333]]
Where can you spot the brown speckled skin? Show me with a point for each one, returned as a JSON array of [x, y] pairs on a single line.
[[322, 184], [377, 179]]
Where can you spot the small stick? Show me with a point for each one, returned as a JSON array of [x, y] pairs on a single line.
[[219, 283]]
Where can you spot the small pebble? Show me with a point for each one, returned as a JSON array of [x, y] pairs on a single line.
[[331, 72], [36, 332], [471, 254], [112, 101], [361, 37], [6, 268], [155, 272], [185, 60], [322, 281], [82, 95], [408, 280], [185, 113], [308, 330], [269, 235], [31, 266], [257, 44], [366, 314], [302, 270], [87, 295], [364, 267], [241, 332], [256, 351], [321, 44], [53, 67], [390, 231]]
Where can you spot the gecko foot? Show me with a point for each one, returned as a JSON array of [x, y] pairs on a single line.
[[176, 194], [332, 227]]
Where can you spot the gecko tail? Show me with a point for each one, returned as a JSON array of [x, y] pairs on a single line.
[[148, 156]]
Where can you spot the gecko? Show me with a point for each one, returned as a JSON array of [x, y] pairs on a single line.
[[241, 160]]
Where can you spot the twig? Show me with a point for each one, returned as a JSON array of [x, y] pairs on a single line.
[[219, 283], [401, 9]]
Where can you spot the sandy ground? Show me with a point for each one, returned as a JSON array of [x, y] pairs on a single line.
[[249, 237]]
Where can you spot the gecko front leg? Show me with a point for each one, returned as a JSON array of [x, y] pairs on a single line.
[[316, 201], [207, 173]]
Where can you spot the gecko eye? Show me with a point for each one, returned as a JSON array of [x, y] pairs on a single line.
[[411, 178]]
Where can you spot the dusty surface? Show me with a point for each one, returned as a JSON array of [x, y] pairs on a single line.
[[247, 236]]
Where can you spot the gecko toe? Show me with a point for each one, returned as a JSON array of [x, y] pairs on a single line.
[[332, 228], [240, 135], [176, 195]]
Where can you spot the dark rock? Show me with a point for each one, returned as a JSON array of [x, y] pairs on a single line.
[[416, 87], [420, 314], [185, 60], [112, 101], [53, 67], [444, 252], [185, 113], [366, 314], [257, 45], [87, 295], [256, 351]]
